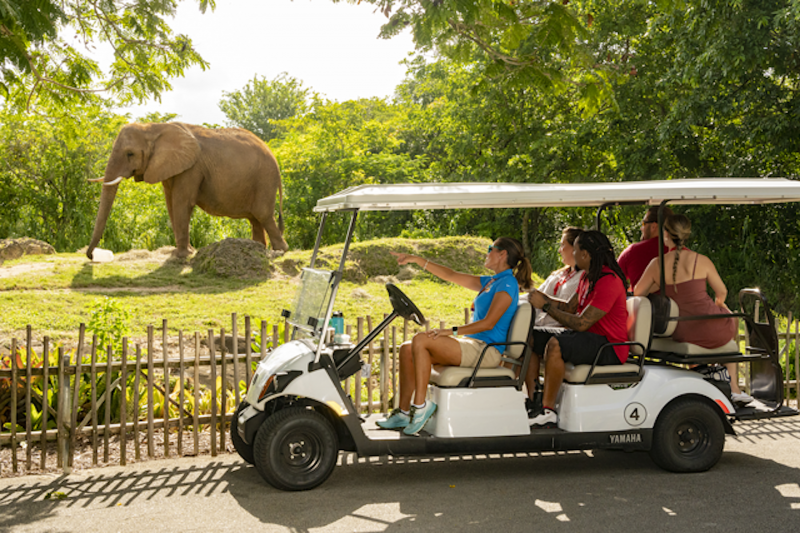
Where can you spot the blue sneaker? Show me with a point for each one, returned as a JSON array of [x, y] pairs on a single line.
[[397, 419], [419, 417]]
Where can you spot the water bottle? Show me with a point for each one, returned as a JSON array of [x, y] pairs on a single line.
[[337, 322]]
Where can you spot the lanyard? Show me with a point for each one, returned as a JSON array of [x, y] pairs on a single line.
[[563, 280]]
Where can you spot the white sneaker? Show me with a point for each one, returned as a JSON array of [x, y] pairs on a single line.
[[741, 397], [545, 418]]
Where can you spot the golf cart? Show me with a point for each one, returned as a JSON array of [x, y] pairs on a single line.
[[296, 415]]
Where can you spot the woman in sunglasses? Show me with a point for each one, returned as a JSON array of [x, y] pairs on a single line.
[[493, 309]]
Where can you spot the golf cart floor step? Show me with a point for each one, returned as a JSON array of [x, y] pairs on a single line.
[[760, 409]]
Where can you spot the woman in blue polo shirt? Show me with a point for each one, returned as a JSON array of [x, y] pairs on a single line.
[[493, 309]]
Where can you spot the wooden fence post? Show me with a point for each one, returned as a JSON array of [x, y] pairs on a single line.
[[136, 399], [14, 382], [213, 357], [248, 351], [28, 385], [395, 369], [76, 392], [63, 411], [94, 399], [181, 382], [107, 404], [235, 343], [165, 362], [45, 386], [788, 358], [223, 391], [196, 393], [123, 404], [151, 451], [384, 374], [359, 330], [369, 363]]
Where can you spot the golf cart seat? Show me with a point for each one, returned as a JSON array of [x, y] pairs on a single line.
[[516, 347], [662, 312], [639, 323]]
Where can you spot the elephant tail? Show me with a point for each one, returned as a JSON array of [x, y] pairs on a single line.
[[280, 206]]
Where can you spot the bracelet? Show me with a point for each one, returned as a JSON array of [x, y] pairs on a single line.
[[425, 266]]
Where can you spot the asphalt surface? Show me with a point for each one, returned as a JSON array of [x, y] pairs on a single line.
[[754, 487]]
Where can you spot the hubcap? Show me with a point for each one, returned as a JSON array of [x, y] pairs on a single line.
[[301, 451], [691, 437]]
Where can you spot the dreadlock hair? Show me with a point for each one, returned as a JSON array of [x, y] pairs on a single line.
[[679, 228], [602, 254], [520, 264]]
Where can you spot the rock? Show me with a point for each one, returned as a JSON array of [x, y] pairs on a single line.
[[16, 248]]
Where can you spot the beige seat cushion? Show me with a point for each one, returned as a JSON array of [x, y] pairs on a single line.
[[451, 376], [684, 348], [579, 373], [639, 317]]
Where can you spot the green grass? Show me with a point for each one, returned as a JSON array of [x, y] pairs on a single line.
[[58, 292]]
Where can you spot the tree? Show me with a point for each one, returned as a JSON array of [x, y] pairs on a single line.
[[41, 58], [261, 103]]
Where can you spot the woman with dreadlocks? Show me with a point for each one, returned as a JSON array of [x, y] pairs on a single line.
[[686, 284], [596, 315]]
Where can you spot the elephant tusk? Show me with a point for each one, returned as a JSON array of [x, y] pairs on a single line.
[[95, 179], [114, 182]]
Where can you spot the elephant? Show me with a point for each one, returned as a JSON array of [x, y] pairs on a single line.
[[226, 172]]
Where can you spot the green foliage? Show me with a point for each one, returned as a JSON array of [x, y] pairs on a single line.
[[44, 163], [109, 321], [43, 64], [262, 103], [341, 145]]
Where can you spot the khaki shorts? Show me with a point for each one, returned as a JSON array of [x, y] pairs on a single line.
[[471, 350]]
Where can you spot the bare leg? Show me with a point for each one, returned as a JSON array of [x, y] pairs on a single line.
[[532, 376], [733, 370], [428, 351], [553, 372], [406, 376]]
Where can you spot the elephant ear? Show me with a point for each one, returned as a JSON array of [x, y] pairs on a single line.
[[174, 150]]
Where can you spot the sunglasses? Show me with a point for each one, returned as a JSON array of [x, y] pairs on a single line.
[[493, 247]]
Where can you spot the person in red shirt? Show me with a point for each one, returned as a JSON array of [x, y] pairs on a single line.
[[635, 258], [596, 315]]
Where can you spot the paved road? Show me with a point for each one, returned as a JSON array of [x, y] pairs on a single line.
[[755, 487]]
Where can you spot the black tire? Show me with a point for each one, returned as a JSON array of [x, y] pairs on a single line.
[[689, 437], [244, 450], [296, 449]]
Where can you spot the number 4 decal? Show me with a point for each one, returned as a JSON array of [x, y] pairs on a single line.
[[635, 414]]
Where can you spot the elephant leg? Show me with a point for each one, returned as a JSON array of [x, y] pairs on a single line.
[[181, 215], [258, 231], [275, 236], [168, 198]]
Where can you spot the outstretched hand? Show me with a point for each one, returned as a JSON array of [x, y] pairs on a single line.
[[404, 259]]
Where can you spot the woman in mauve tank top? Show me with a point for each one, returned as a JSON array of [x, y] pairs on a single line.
[[686, 284]]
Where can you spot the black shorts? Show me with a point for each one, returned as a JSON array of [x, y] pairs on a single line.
[[581, 347], [539, 341]]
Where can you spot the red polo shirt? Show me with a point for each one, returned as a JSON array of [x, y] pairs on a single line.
[[608, 296], [634, 259]]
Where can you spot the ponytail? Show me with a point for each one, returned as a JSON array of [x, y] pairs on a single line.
[[520, 265]]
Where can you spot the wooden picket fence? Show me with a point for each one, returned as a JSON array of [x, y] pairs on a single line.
[[153, 410]]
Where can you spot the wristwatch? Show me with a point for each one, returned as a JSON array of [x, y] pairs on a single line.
[[455, 331], [546, 307]]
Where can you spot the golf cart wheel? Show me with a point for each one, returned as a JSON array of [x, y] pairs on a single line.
[[688, 437], [244, 450], [295, 449]]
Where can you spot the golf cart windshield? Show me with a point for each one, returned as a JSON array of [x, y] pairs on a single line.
[[311, 303]]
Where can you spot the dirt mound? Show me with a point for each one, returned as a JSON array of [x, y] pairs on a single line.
[[16, 248], [235, 258]]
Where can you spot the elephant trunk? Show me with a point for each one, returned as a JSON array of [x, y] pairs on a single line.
[[106, 201]]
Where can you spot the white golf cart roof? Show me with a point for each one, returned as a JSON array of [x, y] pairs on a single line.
[[410, 196]]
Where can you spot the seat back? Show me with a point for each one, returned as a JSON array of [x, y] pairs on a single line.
[[663, 309], [519, 329], [639, 321]]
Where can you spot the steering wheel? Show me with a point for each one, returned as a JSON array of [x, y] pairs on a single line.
[[403, 305]]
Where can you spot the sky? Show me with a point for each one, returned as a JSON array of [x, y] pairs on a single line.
[[333, 49]]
